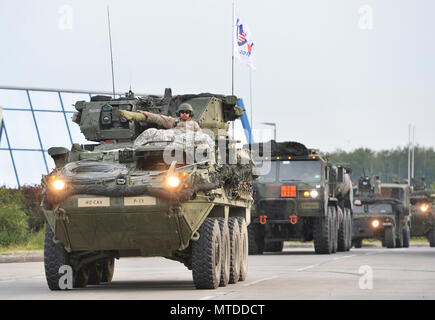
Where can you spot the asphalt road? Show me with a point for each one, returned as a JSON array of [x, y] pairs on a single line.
[[367, 273]]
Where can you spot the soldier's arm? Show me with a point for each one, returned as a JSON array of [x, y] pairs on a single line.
[[164, 121]]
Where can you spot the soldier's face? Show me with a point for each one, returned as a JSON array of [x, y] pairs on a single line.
[[184, 115]]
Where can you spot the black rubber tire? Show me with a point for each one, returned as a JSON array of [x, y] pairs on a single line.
[[342, 231], [207, 256], [323, 233], [358, 243], [235, 245], [108, 269], [256, 240], [101, 98], [275, 246], [225, 235], [95, 271], [399, 239], [406, 236], [55, 256], [431, 237], [390, 237], [349, 229], [244, 252]]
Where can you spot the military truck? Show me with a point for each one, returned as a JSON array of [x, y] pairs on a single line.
[[381, 211], [299, 195], [423, 211], [122, 197]]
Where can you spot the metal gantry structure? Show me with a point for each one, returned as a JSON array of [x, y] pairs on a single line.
[[59, 92]]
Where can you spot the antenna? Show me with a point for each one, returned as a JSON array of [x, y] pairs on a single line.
[[111, 54]]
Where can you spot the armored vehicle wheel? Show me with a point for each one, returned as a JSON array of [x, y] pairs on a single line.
[[323, 237], [235, 245], [225, 234], [275, 246], [81, 278], [406, 236], [207, 255], [357, 243], [55, 256], [431, 237], [95, 273], [342, 231], [108, 269], [245, 248], [256, 240], [390, 237]]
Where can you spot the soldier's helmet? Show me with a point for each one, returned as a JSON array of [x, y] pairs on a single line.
[[185, 107]]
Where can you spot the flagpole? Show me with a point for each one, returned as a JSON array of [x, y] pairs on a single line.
[[232, 62], [250, 100]]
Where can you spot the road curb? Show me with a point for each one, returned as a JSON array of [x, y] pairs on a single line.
[[22, 257]]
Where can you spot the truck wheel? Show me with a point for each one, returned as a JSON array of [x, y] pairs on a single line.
[[342, 231], [349, 230], [323, 233], [399, 239], [256, 240], [431, 237], [108, 266], [235, 246], [275, 246], [334, 230], [95, 273], [245, 248], [390, 237], [358, 243], [55, 256], [406, 236], [225, 234], [207, 256]]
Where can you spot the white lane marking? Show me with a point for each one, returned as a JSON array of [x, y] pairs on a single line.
[[260, 280], [345, 257], [216, 295], [309, 267]]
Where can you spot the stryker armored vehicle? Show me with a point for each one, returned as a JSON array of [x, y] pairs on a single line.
[[299, 195], [423, 211], [381, 211], [141, 191]]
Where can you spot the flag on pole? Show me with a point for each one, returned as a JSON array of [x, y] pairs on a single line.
[[244, 48]]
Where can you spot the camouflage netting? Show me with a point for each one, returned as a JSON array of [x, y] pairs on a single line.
[[280, 148], [179, 138]]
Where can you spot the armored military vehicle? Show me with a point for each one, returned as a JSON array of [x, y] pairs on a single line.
[[141, 191], [423, 211], [299, 195], [381, 211]]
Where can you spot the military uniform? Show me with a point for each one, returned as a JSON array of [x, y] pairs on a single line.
[[170, 122]]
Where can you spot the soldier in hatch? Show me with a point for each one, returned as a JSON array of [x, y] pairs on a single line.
[[184, 120]]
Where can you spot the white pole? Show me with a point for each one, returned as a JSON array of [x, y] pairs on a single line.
[[409, 154], [232, 60], [413, 152], [250, 100]]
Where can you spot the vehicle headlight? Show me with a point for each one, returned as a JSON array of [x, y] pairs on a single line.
[[173, 181], [314, 194], [424, 207], [375, 223], [57, 183]]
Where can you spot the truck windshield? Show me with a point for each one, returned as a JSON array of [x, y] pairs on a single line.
[[266, 171], [306, 171], [374, 208]]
